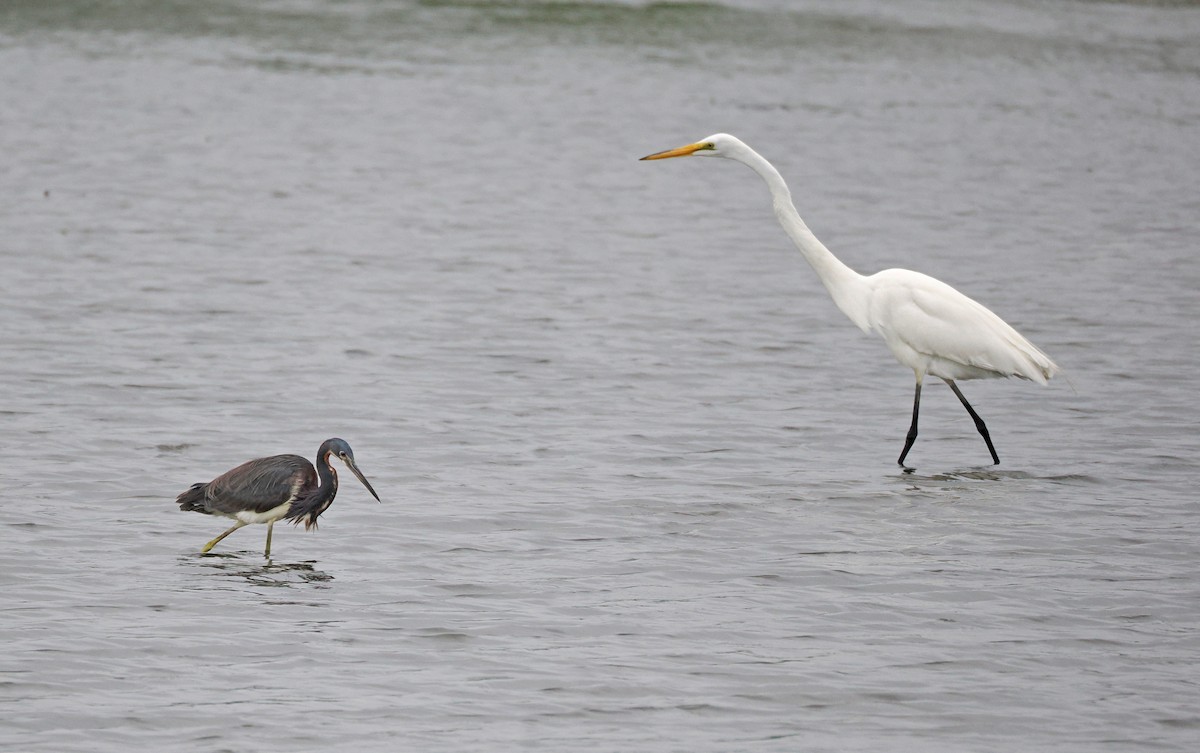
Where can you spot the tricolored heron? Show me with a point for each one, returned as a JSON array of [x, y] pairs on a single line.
[[280, 487]]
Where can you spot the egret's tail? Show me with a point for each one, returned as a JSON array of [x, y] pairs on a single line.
[[193, 499], [1037, 366]]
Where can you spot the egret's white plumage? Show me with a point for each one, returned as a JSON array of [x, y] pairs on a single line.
[[928, 325]]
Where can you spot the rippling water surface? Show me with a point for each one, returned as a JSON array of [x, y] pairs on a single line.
[[638, 478]]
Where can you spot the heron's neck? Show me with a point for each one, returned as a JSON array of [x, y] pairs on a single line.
[[322, 496], [841, 281], [327, 476], [308, 506]]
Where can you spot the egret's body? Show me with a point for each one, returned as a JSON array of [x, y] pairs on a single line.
[[280, 487], [928, 325]]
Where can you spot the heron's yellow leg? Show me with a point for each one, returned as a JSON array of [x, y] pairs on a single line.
[[214, 542], [270, 526]]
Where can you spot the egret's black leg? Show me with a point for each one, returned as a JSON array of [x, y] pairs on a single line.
[[979, 424], [213, 543], [912, 430]]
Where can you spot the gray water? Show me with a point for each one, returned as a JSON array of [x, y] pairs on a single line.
[[638, 473]]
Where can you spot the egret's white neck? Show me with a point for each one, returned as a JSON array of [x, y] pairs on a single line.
[[840, 280]]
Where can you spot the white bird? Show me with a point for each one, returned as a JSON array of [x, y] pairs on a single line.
[[929, 326]]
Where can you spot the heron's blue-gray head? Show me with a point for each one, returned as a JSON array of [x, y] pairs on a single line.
[[717, 145], [340, 449]]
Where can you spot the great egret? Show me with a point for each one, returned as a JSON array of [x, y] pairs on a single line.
[[929, 326]]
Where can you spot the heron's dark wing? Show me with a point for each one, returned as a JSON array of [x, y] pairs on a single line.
[[260, 485]]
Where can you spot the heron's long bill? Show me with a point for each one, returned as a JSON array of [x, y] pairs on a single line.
[[681, 151], [354, 469]]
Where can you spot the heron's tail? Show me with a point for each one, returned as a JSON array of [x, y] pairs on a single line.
[[193, 499]]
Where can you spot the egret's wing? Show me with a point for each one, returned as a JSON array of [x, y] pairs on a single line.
[[260, 485], [935, 320]]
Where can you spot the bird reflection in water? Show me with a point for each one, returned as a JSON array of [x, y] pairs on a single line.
[[270, 574]]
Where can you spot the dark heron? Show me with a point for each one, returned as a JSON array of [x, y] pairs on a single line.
[[281, 487]]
